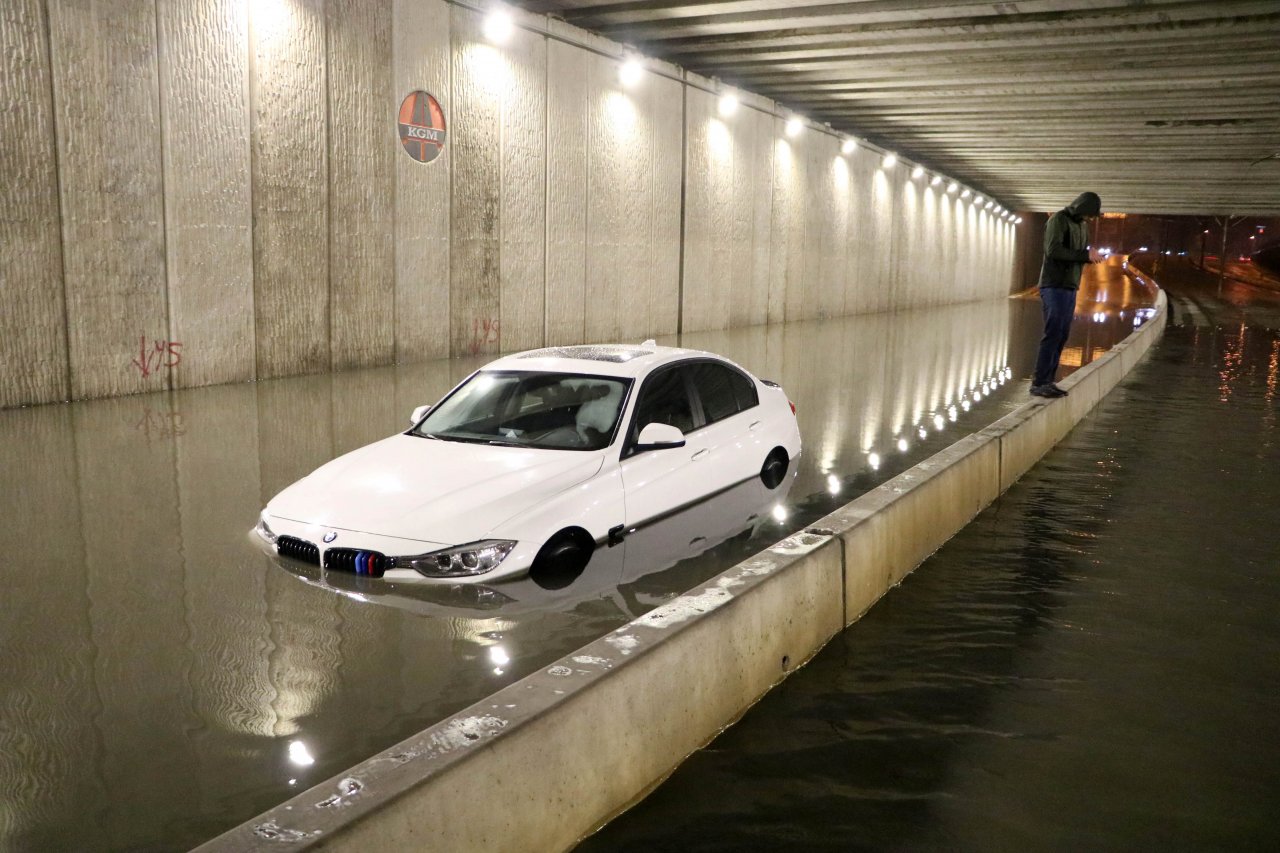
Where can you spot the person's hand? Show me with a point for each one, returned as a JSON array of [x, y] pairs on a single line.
[[1095, 256]]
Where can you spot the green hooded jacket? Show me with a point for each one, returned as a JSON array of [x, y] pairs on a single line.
[[1066, 243]]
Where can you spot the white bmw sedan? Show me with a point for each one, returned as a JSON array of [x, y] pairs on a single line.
[[536, 460]]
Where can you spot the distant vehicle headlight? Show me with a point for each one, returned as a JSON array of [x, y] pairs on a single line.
[[263, 529], [474, 558]]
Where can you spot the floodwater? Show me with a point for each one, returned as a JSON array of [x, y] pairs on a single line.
[[165, 679], [1090, 665]]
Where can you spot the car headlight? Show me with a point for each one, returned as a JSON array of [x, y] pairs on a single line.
[[263, 529], [474, 558]]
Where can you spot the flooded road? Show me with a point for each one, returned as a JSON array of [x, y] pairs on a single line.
[[165, 679], [1090, 665]]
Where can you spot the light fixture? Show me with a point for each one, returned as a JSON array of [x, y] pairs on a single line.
[[937, 179], [977, 199], [630, 72], [499, 25], [952, 187], [794, 126], [849, 145], [1018, 221], [728, 104], [889, 160], [966, 193], [917, 173]]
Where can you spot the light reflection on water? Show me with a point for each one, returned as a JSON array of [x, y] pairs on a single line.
[[1090, 665], [164, 679]]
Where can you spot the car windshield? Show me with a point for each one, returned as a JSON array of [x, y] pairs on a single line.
[[558, 411]]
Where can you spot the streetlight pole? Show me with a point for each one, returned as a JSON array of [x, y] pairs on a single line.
[[1226, 222], [1222, 256]]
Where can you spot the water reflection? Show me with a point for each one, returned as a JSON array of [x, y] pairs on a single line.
[[1112, 301], [1086, 664], [165, 680]]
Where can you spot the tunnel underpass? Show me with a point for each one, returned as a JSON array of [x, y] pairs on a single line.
[[240, 239]]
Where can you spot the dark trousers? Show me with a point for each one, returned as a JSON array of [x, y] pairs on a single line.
[[1059, 305]]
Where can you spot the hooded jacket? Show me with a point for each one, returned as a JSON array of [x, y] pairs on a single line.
[[1066, 242]]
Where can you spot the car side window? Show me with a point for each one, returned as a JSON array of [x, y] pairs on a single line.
[[744, 390], [664, 400], [723, 391]]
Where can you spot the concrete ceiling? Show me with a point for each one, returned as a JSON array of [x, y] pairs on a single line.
[[1160, 106]]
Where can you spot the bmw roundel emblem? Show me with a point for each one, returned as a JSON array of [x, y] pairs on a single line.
[[330, 536]]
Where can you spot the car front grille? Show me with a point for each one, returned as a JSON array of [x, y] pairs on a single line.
[[364, 563], [298, 549]]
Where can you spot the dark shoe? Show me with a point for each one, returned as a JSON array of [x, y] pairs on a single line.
[[1049, 391], [1058, 392]]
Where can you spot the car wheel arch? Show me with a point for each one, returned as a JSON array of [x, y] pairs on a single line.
[[774, 468], [562, 558]]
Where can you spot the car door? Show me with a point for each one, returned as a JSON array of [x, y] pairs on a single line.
[[658, 482], [731, 433]]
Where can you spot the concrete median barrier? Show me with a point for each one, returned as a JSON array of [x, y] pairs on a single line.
[[547, 760]]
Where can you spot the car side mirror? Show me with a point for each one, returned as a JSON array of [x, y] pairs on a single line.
[[659, 437], [418, 414]]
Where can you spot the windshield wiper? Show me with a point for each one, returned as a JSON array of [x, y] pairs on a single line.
[[500, 443], [441, 437]]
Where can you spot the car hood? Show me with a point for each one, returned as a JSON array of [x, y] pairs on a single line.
[[433, 491]]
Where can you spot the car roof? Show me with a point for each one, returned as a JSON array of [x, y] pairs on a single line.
[[622, 360]]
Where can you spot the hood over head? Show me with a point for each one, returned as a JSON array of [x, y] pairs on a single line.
[[1086, 204]]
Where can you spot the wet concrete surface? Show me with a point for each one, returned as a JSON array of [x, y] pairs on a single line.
[[1090, 665], [164, 679]]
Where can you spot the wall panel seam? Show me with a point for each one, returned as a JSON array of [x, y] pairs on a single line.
[[164, 185], [684, 187], [251, 77], [546, 186], [328, 178], [394, 174], [57, 188]]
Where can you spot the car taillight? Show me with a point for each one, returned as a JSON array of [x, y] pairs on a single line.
[[793, 406]]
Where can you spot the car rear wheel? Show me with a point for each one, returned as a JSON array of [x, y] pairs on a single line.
[[561, 561], [774, 469]]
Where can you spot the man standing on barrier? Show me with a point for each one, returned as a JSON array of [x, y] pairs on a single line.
[[1066, 251]]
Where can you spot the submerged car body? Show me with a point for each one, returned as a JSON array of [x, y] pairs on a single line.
[[534, 461], [642, 572]]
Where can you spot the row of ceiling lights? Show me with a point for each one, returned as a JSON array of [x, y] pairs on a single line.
[[499, 26]]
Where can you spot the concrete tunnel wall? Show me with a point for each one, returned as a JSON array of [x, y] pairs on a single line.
[[196, 192]]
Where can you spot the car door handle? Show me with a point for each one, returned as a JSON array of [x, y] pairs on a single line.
[[754, 424], [701, 453]]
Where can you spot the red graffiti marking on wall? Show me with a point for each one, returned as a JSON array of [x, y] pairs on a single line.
[[485, 330], [158, 425], [162, 354]]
